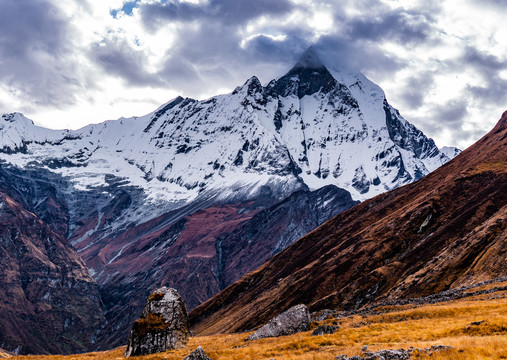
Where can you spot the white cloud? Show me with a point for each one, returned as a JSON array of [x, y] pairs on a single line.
[[440, 63]]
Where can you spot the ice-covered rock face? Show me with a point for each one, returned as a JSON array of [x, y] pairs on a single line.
[[314, 126]]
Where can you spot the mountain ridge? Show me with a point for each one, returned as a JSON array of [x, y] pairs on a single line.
[[444, 231], [148, 200]]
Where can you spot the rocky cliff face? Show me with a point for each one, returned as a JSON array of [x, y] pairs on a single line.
[[49, 301], [445, 231]]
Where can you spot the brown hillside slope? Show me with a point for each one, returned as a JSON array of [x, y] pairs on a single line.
[[446, 230], [48, 301]]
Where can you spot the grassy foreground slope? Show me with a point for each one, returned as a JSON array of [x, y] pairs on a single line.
[[389, 327]]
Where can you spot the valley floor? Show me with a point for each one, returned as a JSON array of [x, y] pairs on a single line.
[[389, 327]]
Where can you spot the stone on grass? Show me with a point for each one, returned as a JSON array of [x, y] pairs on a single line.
[[197, 354], [323, 314], [324, 329], [399, 354], [294, 320]]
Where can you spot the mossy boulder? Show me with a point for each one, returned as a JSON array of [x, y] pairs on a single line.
[[163, 325]]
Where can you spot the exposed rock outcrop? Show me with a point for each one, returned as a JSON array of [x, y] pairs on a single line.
[[323, 314], [294, 320], [162, 326], [379, 355], [198, 354], [325, 329], [399, 354]]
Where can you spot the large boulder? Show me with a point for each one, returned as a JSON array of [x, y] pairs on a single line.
[[163, 325], [292, 321]]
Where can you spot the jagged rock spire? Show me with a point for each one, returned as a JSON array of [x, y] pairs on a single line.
[[308, 76]]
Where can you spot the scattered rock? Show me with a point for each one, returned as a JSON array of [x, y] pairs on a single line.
[[443, 296], [477, 322], [292, 321], [379, 355], [325, 329], [323, 314], [163, 325], [197, 354], [399, 354], [437, 348], [429, 351], [387, 355]]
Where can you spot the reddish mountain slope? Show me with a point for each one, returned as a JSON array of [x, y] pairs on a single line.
[[444, 231], [49, 302], [199, 254]]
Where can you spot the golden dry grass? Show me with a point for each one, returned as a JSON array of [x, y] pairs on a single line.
[[499, 165], [396, 327], [4, 354]]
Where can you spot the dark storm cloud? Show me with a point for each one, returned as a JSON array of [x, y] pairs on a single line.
[[395, 25], [484, 63], [489, 67], [359, 45], [227, 12], [416, 89], [493, 92], [211, 35], [449, 117], [34, 52], [117, 58], [359, 55], [179, 73], [452, 114], [207, 46]]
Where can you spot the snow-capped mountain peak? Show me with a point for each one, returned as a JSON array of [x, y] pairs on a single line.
[[312, 127], [310, 60], [450, 151]]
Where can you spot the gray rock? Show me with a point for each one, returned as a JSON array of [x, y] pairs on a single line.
[[323, 314], [476, 323], [292, 321], [379, 355], [197, 354], [163, 325], [438, 348], [325, 329], [400, 354], [388, 355]]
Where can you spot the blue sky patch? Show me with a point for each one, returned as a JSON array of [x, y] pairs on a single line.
[[126, 8]]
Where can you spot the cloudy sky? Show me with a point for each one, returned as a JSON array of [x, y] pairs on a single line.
[[67, 63]]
